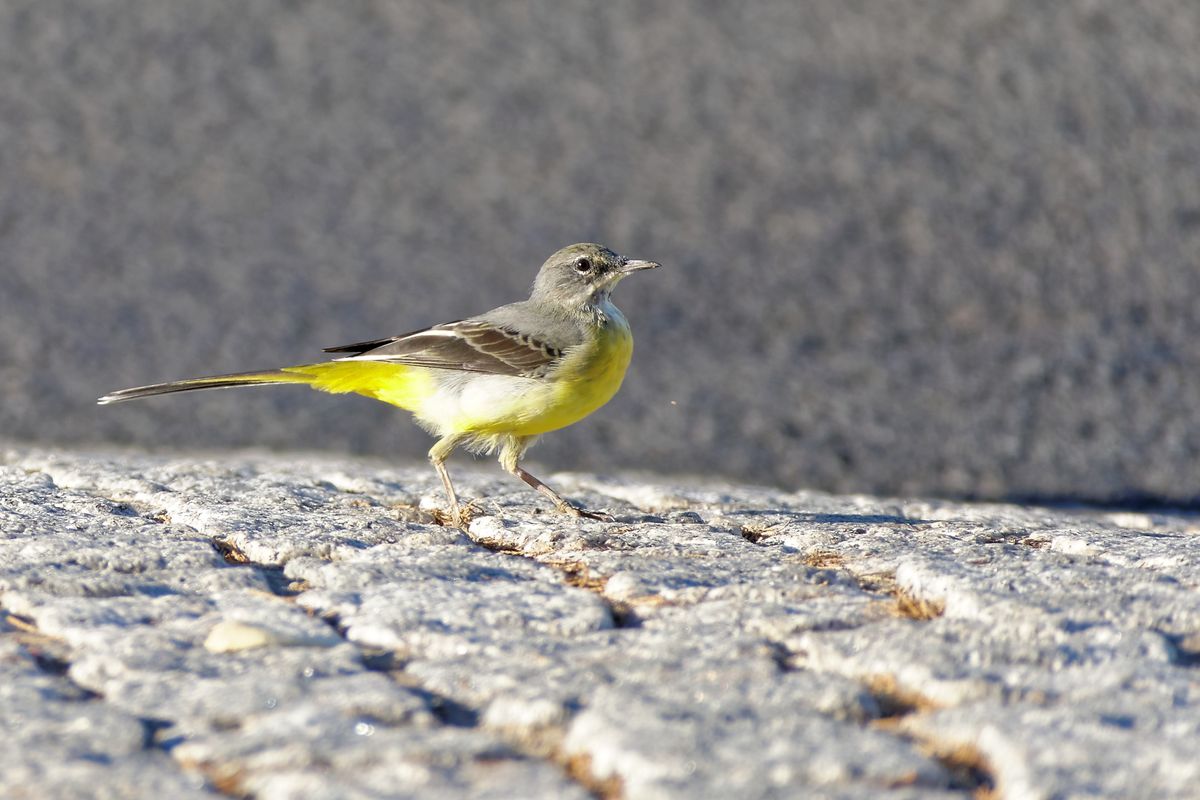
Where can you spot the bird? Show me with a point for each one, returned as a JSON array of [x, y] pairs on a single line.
[[491, 383]]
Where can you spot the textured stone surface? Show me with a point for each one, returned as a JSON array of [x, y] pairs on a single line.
[[300, 627], [955, 241]]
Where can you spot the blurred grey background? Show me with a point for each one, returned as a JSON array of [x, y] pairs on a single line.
[[936, 247]]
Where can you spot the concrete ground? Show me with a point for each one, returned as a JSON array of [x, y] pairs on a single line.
[[302, 627]]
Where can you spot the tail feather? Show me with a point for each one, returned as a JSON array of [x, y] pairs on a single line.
[[267, 378], [398, 384]]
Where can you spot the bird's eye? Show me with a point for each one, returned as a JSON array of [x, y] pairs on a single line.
[[583, 266]]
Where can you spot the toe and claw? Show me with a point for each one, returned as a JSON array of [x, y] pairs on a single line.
[[461, 516], [599, 516]]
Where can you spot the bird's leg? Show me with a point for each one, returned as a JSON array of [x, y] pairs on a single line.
[[560, 502], [437, 456], [511, 454], [455, 511]]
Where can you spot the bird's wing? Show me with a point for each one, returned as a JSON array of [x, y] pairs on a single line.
[[472, 345]]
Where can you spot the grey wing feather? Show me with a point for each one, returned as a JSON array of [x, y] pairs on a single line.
[[473, 345]]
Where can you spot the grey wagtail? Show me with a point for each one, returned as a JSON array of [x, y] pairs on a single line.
[[497, 381]]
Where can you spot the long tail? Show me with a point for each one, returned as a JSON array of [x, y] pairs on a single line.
[[210, 382], [397, 384]]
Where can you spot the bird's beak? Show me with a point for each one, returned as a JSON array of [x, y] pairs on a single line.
[[636, 266]]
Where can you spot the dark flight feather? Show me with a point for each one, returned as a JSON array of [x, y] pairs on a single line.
[[470, 346]]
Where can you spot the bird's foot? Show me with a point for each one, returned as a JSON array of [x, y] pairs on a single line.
[[457, 516], [575, 511]]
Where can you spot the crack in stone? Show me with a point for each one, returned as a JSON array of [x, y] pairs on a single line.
[[904, 603], [967, 767], [230, 782], [52, 656], [781, 656], [824, 559], [545, 747], [1185, 650], [271, 574], [579, 769], [894, 701], [575, 573], [223, 781], [151, 727], [445, 709], [499, 547], [57, 661], [230, 552], [911, 606]]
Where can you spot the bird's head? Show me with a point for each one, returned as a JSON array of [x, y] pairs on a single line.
[[583, 274]]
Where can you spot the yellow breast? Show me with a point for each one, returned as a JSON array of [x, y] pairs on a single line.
[[588, 377]]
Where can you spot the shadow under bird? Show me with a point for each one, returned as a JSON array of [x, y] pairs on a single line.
[[492, 382]]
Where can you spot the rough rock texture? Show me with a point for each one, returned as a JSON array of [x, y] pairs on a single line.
[[955, 241], [301, 627]]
